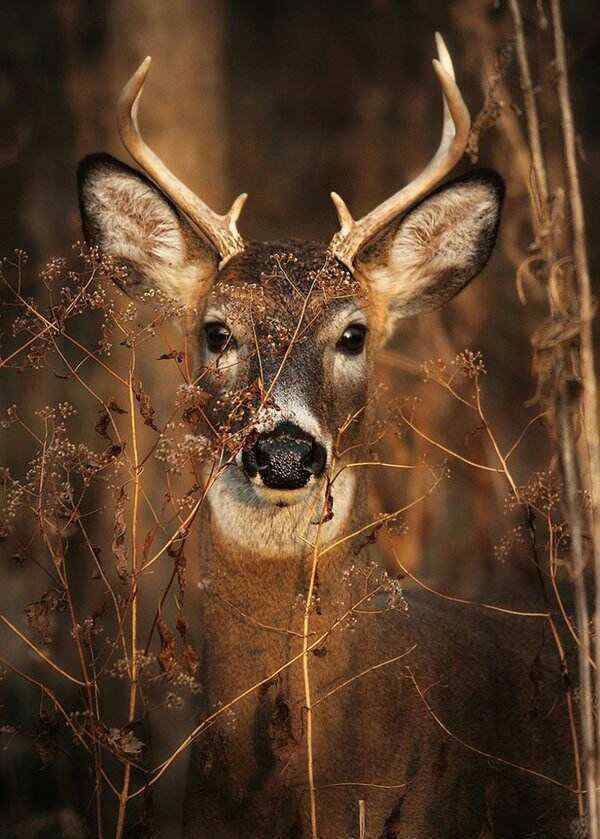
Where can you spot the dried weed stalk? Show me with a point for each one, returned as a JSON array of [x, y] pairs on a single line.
[[83, 496]]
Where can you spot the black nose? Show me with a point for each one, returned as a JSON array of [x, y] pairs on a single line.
[[285, 458]]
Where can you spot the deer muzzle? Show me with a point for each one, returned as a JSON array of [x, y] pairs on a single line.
[[285, 458]]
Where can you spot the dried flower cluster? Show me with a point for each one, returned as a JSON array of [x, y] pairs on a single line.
[[110, 479]]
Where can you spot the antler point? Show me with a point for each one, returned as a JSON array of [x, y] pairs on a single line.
[[444, 55], [235, 209], [142, 70], [344, 214], [455, 135]]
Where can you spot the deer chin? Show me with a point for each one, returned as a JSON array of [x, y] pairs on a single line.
[[277, 523], [283, 497]]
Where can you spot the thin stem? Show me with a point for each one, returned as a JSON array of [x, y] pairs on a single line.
[[519, 439], [306, 679], [134, 594], [362, 673], [569, 692], [480, 752], [52, 696], [445, 449], [572, 481], [378, 522], [504, 610], [40, 652], [586, 313], [533, 123], [504, 467]]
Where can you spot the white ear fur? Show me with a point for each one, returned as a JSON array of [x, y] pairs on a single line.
[[132, 221], [424, 259]]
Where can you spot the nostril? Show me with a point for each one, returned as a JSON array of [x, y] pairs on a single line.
[[250, 462], [261, 454], [315, 459]]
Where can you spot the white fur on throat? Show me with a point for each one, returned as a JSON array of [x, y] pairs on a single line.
[[249, 523]]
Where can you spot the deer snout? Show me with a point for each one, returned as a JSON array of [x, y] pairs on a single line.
[[285, 458]]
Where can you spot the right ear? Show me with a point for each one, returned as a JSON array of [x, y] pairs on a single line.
[[131, 220]]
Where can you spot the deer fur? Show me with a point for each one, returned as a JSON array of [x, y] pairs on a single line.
[[453, 738]]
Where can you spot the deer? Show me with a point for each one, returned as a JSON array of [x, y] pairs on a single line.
[[356, 702]]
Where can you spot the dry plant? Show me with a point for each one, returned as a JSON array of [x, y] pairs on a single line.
[[83, 492], [81, 484], [109, 649], [563, 347]]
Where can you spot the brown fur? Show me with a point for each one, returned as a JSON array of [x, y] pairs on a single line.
[[492, 680], [249, 775]]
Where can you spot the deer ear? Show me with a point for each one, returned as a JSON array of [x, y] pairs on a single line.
[[423, 259], [130, 219]]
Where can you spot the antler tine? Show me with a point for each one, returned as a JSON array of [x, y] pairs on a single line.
[[220, 230], [455, 134]]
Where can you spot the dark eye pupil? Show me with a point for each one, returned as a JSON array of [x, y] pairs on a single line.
[[217, 336], [352, 341]]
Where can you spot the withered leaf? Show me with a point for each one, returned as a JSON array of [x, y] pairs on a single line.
[[191, 659], [176, 547], [113, 406], [39, 614], [178, 355], [149, 539], [124, 741], [167, 655], [327, 514], [146, 409], [181, 626], [112, 452], [119, 533], [101, 426], [7, 729]]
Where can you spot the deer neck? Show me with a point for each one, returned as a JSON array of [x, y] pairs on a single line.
[[250, 619], [254, 574]]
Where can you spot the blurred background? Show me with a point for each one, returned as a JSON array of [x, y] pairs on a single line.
[[288, 101]]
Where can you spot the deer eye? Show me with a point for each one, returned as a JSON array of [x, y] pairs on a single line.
[[218, 337], [353, 339]]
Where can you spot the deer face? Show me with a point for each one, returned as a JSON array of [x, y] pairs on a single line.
[[288, 320], [295, 325]]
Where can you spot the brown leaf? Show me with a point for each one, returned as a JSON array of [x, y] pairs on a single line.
[[149, 539], [101, 426], [119, 533], [176, 547], [112, 405], [181, 626], [167, 655], [124, 741], [146, 410], [328, 508], [40, 613], [191, 659], [112, 452], [178, 355]]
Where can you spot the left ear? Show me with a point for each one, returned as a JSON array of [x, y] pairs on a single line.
[[423, 259], [133, 221]]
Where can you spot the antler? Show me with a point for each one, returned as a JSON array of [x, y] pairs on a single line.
[[221, 231], [455, 134]]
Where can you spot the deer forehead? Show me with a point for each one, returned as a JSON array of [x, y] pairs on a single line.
[[284, 292]]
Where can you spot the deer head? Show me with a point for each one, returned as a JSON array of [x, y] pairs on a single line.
[[305, 320]]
